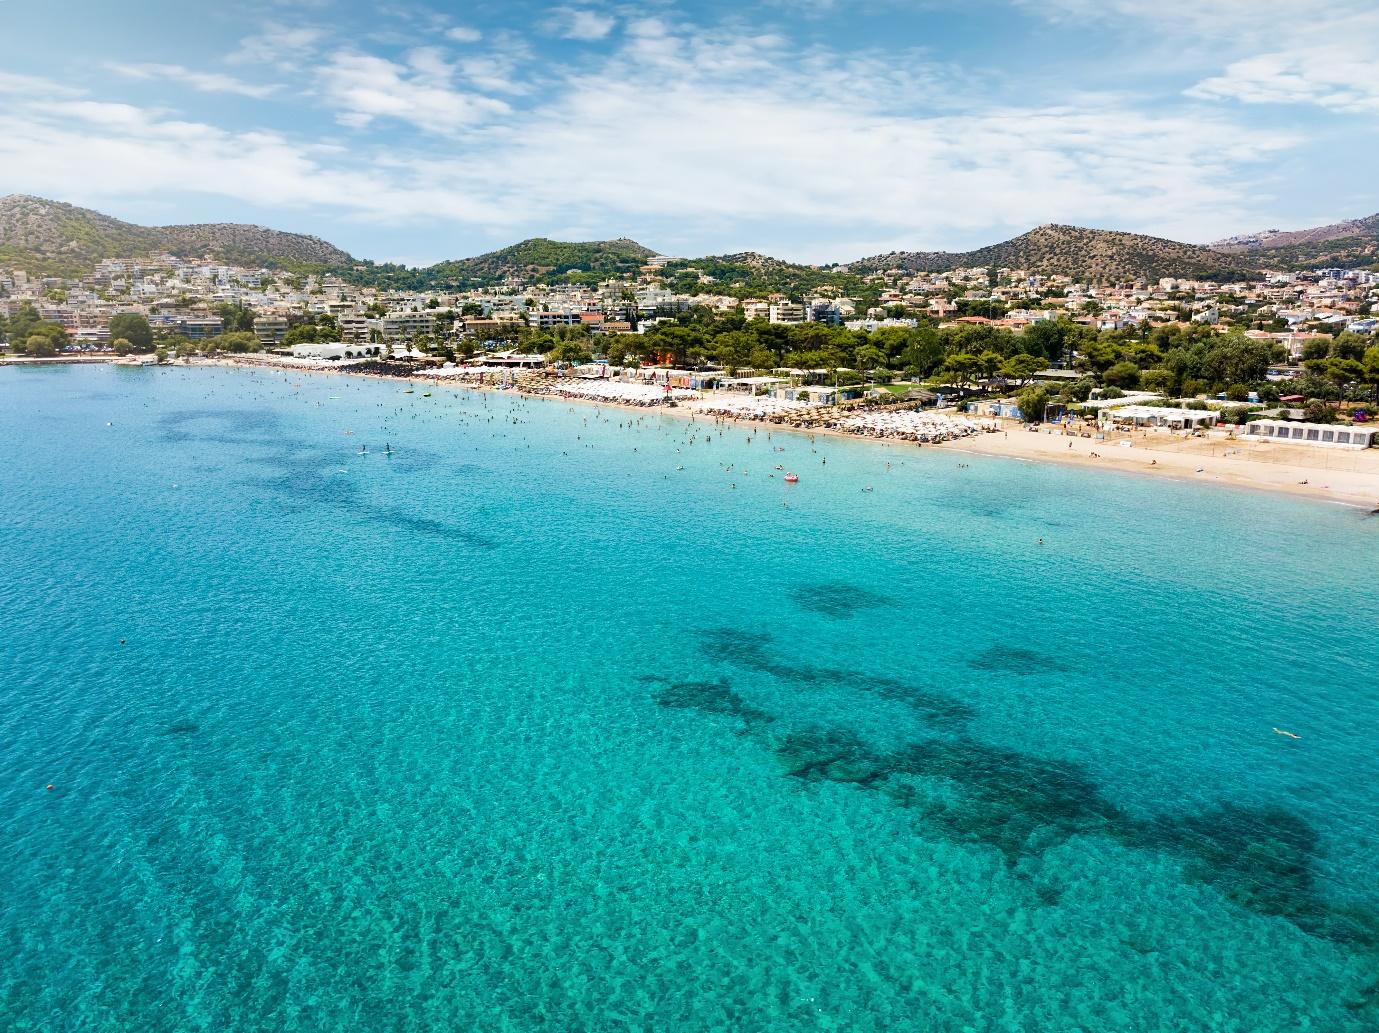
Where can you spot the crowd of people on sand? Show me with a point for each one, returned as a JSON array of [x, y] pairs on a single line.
[[616, 392], [910, 425]]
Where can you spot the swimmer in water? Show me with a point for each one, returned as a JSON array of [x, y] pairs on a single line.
[[1291, 735]]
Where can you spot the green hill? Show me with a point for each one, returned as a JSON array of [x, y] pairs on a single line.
[[1087, 255], [539, 260], [1350, 244], [752, 275], [49, 238]]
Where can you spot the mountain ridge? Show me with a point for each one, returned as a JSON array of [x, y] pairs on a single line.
[[55, 238], [1090, 255], [47, 237], [1352, 242]]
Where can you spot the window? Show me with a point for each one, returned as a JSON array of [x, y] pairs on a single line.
[[1328, 435], [1312, 434], [1343, 437]]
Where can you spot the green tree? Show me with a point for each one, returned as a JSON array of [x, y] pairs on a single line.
[[617, 351], [239, 341], [235, 317], [569, 351], [960, 368], [160, 353], [1317, 349], [1032, 402], [1158, 380], [871, 357], [1021, 368], [41, 346], [988, 362], [1344, 372], [122, 346], [134, 328], [302, 333], [1122, 375], [1371, 364]]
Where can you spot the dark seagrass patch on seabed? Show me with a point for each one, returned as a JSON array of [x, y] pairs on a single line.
[[1262, 859], [838, 600], [221, 426], [752, 651], [1016, 660], [708, 697]]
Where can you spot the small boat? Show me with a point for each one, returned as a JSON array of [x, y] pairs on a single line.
[[426, 394], [792, 478]]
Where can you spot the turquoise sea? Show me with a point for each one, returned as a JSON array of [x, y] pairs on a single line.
[[545, 722]]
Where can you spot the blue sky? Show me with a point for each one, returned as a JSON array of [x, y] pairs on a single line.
[[815, 130]]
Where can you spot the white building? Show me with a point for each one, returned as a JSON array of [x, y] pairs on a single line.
[[1319, 434], [335, 350], [1160, 416]]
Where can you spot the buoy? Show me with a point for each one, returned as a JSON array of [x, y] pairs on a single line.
[[50, 787]]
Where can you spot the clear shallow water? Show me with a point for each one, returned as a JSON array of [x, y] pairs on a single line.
[[522, 729]]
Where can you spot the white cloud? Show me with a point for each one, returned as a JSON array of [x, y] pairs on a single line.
[[363, 88], [1261, 18], [206, 82], [1277, 51], [733, 139], [31, 85], [581, 23], [50, 147], [278, 44], [463, 34], [1335, 77]]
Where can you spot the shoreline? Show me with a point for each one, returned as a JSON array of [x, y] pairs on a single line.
[[1196, 461], [1349, 478]]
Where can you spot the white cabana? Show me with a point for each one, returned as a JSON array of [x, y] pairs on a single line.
[[1321, 435], [1160, 416]]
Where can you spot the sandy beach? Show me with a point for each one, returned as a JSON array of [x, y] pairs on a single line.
[[1335, 475]]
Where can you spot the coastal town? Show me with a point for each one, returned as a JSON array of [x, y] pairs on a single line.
[[1274, 370]]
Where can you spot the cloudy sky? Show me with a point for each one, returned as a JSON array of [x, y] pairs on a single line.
[[817, 130]]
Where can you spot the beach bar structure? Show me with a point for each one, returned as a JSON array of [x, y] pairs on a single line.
[[752, 385], [1319, 434], [1159, 416]]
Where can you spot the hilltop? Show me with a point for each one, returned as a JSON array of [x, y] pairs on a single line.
[[751, 274], [543, 260], [538, 260], [50, 238], [1354, 242], [1094, 256]]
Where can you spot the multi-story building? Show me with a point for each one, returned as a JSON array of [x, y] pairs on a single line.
[[270, 330], [787, 312], [404, 326]]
